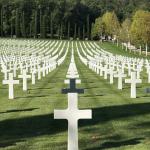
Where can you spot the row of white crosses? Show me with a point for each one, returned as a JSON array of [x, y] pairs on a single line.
[[133, 48], [72, 113], [104, 63], [27, 67]]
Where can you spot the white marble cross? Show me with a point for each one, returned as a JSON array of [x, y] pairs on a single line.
[[33, 76], [97, 67], [133, 82], [148, 72], [5, 71], [72, 114], [15, 69], [39, 72], [43, 69], [111, 73], [11, 83], [24, 76], [106, 71], [120, 77], [101, 70]]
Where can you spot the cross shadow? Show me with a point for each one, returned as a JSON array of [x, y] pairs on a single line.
[[88, 82], [40, 89], [116, 144], [138, 87], [18, 110], [29, 97], [146, 96], [91, 87], [97, 95]]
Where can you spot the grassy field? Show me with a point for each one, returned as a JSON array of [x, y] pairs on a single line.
[[119, 123], [118, 50]]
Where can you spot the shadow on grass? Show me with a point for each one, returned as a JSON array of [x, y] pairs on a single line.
[[145, 96], [18, 110], [138, 87], [94, 87], [144, 125], [108, 113], [12, 142], [97, 95], [3, 88], [40, 89], [23, 128], [33, 126], [29, 97], [116, 144]]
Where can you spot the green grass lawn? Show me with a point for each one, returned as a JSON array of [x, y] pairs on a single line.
[[118, 50], [118, 123]]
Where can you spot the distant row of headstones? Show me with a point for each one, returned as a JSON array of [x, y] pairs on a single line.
[[29, 59], [126, 69]]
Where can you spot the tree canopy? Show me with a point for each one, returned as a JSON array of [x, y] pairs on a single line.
[[60, 18]]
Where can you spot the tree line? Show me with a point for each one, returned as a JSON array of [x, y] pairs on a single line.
[[135, 30], [59, 18]]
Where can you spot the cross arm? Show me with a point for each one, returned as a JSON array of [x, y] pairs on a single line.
[[127, 81], [78, 81], [61, 114], [85, 114]]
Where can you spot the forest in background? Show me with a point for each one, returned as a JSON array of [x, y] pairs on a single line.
[[60, 18]]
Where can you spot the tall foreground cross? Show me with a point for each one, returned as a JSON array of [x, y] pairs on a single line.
[[72, 114], [11, 83]]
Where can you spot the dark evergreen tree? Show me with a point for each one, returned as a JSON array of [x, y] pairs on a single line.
[[75, 31], [58, 31], [61, 30], [79, 34], [68, 30], [88, 26], [43, 27], [17, 24], [41, 19], [51, 25], [2, 21], [30, 30], [35, 23], [83, 32], [12, 28], [23, 25]]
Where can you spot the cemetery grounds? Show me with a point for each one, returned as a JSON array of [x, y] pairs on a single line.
[[118, 122]]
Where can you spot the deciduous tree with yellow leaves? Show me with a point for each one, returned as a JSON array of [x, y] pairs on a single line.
[[140, 28]]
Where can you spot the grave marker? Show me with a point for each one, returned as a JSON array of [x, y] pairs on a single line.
[[24, 77], [11, 82], [133, 81]]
